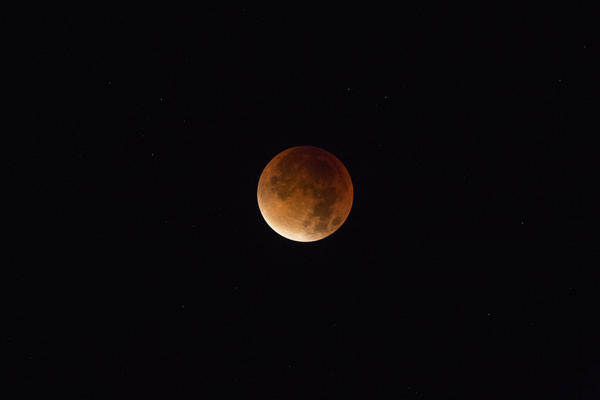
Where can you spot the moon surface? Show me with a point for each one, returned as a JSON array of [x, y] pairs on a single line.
[[305, 193]]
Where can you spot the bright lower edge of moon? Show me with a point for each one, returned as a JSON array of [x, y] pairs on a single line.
[[305, 193]]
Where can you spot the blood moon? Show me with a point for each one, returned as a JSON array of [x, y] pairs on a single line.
[[305, 193]]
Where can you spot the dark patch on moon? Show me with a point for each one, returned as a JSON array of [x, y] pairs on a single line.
[[321, 226], [283, 186], [324, 207], [321, 170], [336, 221], [301, 169], [289, 163]]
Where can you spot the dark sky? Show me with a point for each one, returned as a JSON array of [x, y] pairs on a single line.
[[457, 274]]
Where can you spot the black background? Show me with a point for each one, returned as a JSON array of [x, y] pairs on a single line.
[[458, 274]]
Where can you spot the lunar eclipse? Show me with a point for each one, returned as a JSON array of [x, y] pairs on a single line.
[[305, 193]]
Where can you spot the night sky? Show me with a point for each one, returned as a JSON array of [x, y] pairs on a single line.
[[459, 273]]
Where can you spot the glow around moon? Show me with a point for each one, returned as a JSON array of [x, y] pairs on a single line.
[[305, 193]]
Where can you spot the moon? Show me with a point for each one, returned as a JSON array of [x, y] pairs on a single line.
[[305, 193]]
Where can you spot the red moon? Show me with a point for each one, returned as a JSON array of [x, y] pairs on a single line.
[[305, 193]]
